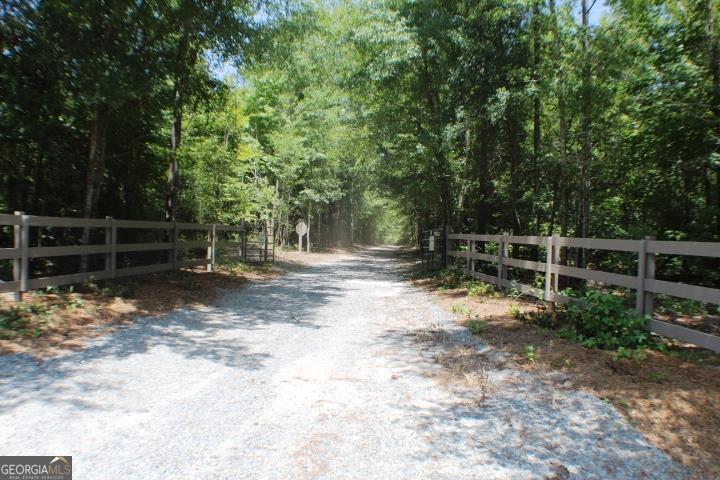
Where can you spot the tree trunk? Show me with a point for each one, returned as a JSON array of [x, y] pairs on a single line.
[[583, 206], [514, 153], [537, 133], [174, 168], [713, 52], [95, 171]]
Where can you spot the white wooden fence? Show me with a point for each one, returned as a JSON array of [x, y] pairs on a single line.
[[644, 283], [22, 251]]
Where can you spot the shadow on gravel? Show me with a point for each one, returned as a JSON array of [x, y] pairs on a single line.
[[210, 333], [522, 425]]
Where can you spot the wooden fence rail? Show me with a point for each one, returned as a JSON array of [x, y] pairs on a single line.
[[644, 282], [21, 252]]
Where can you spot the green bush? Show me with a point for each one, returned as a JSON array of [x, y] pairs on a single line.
[[481, 289], [607, 324], [451, 278]]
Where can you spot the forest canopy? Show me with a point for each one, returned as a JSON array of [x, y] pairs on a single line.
[[374, 120]]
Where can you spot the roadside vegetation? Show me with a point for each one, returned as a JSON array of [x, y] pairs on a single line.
[[54, 319], [668, 390]]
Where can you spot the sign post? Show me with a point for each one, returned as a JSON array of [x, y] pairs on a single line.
[[300, 229]]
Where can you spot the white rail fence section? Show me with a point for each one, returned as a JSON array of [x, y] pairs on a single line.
[[644, 283], [176, 248]]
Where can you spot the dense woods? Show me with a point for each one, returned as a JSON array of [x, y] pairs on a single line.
[[373, 119]]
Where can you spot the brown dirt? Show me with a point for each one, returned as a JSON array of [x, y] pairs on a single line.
[[291, 258], [673, 399], [63, 321]]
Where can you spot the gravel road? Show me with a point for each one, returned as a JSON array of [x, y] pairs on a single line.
[[315, 375]]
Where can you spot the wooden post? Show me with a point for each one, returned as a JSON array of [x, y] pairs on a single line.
[[648, 306], [548, 271], [556, 261], [447, 230], [267, 232], [17, 262], [113, 248], [25, 258], [309, 222], [175, 246], [108, 244], [471, 257], [243, 240], [503, 252], [211, 248]]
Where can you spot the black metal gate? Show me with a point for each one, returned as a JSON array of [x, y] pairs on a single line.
[[259, 242], [432, 248]]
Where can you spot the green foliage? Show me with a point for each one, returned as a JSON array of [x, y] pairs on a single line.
[[481, 289], [530, 352], [476, 326], [460, 309], [632, 353], [16, 320], [120, 288], [515, 311], [608, 323], [450, 278]]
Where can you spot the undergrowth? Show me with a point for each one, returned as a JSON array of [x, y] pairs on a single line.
[[606, 323]]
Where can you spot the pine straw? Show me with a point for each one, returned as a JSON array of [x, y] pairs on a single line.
[[70, 318], [673, 401]]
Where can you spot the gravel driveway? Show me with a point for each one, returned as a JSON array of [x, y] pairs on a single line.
[[317, 374]]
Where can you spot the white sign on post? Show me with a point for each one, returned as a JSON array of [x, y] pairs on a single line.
[[300, 229], [431, 243]]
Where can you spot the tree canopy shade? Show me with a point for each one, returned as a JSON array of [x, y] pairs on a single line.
[[372, 120]]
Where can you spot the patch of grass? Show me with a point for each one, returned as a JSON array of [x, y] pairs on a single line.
[[638, 354], [481, 289], [123, 289], [515, 312], [659, 376], [75, 304], [477, 326], [25, 319], [235, 267], [460, 309], [530, 352]]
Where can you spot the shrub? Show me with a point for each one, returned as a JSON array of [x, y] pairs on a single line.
[[481, 289], [608, 324], [451, 278], [460, 309], [477, 327], [530, 352]]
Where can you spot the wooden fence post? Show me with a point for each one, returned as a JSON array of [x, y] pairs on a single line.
[[446, 249], [471, 257], [243, 240], [108, 244], [265, 235], [113, 247], [17, 262], [211, 248], [25, 259], [549, 271], [648, 306], [503, 252], [175, 246], [556, 261]]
